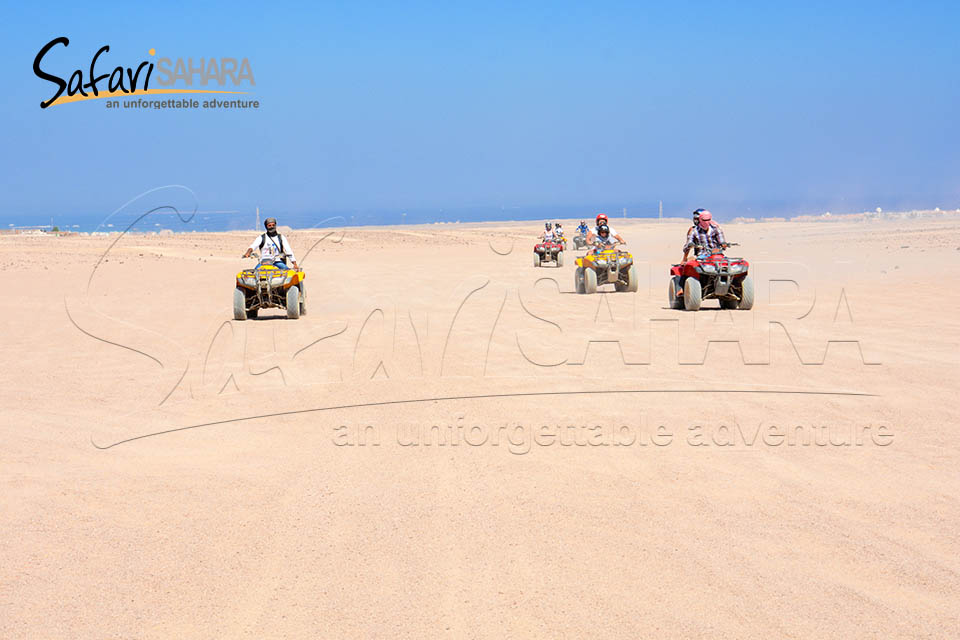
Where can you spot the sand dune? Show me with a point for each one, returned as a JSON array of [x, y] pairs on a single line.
[[453, 443]]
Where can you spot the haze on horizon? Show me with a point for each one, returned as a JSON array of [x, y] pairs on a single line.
[[427, 106]]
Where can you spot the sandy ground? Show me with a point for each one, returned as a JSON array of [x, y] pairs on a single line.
[[453, 443]]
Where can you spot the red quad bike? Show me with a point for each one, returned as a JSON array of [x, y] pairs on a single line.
[[711, 274], [548, 251]]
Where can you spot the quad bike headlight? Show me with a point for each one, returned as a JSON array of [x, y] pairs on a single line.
[[737, 268], [249, 281], [601, 262], [708, 268]]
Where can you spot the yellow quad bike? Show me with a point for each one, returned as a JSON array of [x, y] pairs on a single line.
[[267, 287], [606, 266]]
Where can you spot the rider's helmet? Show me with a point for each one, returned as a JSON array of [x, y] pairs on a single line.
[[696, 215], [547, 226], [601, 219], [603, 231], [704, 219], [583, 223]]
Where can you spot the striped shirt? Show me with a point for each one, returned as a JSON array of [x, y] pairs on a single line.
[[709, 238]]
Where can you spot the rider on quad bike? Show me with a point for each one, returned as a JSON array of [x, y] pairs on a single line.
[[696, 220], [580, 239], [605, 264], [602, 221], [548, 234], [271, 284], [605, 239], [703, 235], [558, 234], [273, 246], [711, 274]]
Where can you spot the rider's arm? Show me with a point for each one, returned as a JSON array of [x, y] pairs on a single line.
[[253, 245], [720, 237], [293, 258], [619, 239], [688, 244]]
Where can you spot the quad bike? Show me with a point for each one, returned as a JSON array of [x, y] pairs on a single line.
[[548, 251], [606, 266], [267, 287], [711, 274], [580, 241], [563, 241]]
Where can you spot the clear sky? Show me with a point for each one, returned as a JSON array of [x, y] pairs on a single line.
[[448, 104]]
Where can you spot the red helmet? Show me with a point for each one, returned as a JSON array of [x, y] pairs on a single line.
[[601, 218], [705, 218]]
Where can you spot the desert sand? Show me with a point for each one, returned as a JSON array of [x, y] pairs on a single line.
[[452, 443]]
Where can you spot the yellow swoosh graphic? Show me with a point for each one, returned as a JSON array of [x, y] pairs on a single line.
[[120, 94]]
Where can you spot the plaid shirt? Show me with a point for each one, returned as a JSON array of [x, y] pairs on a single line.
[[709, 238]]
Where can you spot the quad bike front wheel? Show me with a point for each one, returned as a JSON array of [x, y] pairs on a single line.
[[293, 302], [239, 304], [536, 259], [633, 280], [560, 258], [303, 300], [589, 281], [631, 284], [746, 295], [692, 294], [578, 280], [676, 301]]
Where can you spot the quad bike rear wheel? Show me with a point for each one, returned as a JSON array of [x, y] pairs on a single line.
[[239, 304], [676, 302], [589, 281], [293, 302], [746, 295], [303, 300], [692, 294]]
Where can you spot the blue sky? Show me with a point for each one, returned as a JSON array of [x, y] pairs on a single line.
[[451, 105]]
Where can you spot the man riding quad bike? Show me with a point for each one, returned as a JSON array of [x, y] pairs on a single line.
[[605, 264], [580, 240], [603, 222], [710, 274], [559, 235], [549, 249], [271, 284]]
